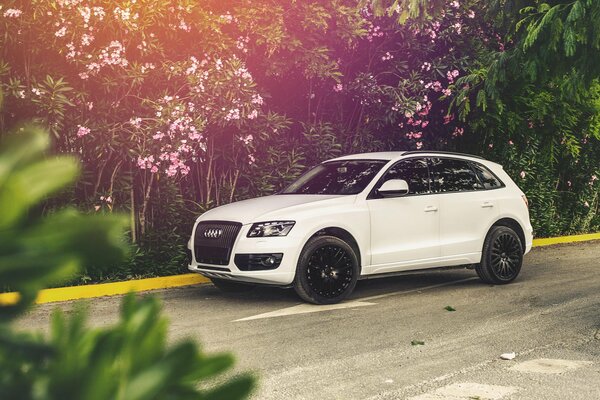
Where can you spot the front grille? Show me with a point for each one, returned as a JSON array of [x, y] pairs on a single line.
[[213, 241]]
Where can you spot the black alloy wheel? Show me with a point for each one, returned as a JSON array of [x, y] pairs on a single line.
[[502, 256], [327, 270]]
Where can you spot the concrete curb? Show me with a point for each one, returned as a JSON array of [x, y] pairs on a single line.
[[107, 289], [565, 239], [141, 285]]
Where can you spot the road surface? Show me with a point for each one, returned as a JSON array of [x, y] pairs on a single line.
[[361, 349]]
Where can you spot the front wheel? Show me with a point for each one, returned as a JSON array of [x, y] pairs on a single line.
[[327, 270], [502, 256]]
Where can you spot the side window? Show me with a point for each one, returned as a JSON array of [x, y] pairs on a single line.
[[488, 179], [414, 171], [453, 175]]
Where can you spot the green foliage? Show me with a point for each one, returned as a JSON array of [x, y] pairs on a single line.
[[128, 361], [35, 250], [204, 103], [561, 38]]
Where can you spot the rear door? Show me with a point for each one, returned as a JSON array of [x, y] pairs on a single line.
[[467, 208]]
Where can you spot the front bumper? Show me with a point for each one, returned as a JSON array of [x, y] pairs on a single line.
[[283, 275]]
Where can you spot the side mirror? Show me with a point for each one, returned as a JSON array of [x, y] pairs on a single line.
[[394, 188]]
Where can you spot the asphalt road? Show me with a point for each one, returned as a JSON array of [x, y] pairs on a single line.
[[550, 317]]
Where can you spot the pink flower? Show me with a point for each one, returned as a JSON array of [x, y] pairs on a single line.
[[451, 75], [247, 139], [61, 32], [338, 88], [257, 99], [136, 122], [82, 131], [448, 118], [419, 145], [522, 174], [471, 14], [458, 27], [12, 13], [510, 142]]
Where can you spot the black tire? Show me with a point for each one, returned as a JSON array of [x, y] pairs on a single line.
[[228, 286], [502, 256], [327, 270]]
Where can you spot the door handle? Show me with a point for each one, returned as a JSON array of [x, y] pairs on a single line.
[[431, 209], [487, 204]]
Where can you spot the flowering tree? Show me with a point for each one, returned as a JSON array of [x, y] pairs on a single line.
[[177, 106]]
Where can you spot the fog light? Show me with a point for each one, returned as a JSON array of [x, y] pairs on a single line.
[[269, 261], [258, 262]]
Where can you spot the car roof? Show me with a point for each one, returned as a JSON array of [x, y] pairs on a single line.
[[381, 155], [394, 155]]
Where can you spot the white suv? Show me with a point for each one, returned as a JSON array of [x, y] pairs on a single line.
[[368, 214]]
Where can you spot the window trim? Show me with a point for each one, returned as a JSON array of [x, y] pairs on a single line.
[[373, 195]]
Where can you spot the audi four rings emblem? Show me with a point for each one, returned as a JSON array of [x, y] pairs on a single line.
[[213, 233]]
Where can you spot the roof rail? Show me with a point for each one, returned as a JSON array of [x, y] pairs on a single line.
[[452, 153]]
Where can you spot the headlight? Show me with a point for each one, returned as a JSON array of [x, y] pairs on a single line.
[[271, 228]]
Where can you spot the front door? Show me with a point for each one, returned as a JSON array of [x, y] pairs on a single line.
[[404, 230]]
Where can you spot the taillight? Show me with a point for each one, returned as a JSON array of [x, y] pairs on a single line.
[[525, 200]]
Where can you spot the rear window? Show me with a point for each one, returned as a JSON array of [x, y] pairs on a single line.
[[489, 180], [453, 175]]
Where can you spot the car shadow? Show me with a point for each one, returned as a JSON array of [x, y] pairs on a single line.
[[365, 288]]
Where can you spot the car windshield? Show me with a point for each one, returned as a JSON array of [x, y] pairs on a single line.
[[337, 177]]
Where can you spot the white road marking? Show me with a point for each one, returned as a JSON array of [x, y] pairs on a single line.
[[468, 390], [549, 366], [366, 301], [305, 309], [420, 289]]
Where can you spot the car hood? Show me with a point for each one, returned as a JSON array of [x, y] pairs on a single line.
[[261, 208]]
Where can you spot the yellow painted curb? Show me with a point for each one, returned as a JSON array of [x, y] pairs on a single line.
[[565, 239], [107, 289], [140, 285]]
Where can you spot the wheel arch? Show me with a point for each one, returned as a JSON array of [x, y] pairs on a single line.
[[344, 235], [515, 226]]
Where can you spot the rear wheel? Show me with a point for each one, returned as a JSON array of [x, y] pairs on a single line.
[[327, 270], [502, 256], [231, 286]]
